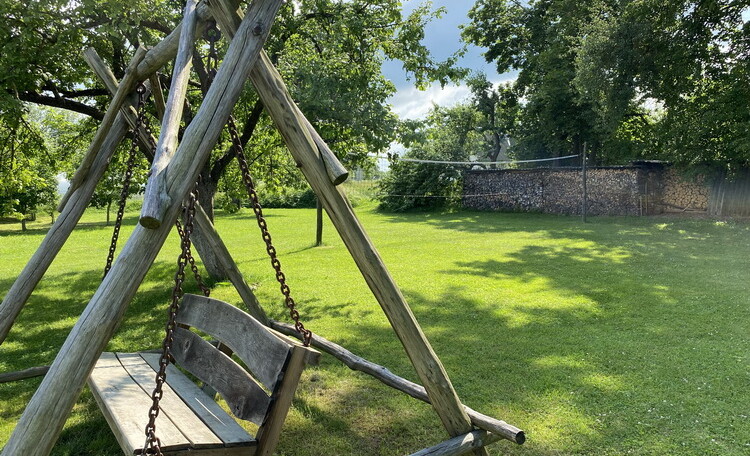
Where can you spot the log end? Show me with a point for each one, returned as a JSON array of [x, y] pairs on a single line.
[[150, 222], [520, 437]]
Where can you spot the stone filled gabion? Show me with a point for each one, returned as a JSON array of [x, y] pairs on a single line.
[[623, 190]]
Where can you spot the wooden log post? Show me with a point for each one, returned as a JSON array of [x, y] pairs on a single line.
[[156, 200], [336, 171], [388, 378], [42, 420], [31, 372], [202, 222], [282, 109]]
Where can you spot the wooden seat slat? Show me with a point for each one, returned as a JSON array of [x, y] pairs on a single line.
[[172, 406], [125, 405], [223, 425], [245, 398], [245, 336]]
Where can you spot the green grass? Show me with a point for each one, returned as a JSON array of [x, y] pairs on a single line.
[[621, 336]]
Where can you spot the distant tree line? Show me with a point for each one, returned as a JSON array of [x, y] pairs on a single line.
[[656, 79]]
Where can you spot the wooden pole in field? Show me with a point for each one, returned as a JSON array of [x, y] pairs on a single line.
[[293, 128], [45, 415]]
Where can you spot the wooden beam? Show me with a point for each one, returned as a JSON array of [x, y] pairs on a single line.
[[335, 170], [459, 445], [384, 375], [31, 372], [125, 88], [55, 238], [156, 200], [158, 94], [202, 222], [293, 128], [46, 413]]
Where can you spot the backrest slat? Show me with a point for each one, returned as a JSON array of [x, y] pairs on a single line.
[[262, 352], [245, 397]]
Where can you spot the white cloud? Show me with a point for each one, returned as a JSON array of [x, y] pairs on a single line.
[[412, 103]]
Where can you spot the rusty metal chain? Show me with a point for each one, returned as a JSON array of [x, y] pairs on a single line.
[[152, 445], [140, 122], [191, 260], [275, 263], [212, 34]]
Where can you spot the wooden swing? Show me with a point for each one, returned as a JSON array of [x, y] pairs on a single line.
[[190, 420], [174, 171]]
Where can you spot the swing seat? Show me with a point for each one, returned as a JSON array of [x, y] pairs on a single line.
[[189, 420]]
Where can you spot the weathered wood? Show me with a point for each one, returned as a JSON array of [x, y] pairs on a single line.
[[158, 94], [156, 199], [44, 416], [245, 398], [335, 170], [202, 222], [241, 333], [459, 445], [282, 109], [173, 408], [268, 433], [105, 75], [31, 372], [125, 88], [126, 404], [384, 375], [223, 425], [55, 238]]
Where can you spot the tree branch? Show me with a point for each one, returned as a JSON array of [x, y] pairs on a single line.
[[247, 132], [64, 103]]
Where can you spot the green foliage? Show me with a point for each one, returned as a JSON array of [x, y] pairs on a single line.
[[28, 163], [633, 79], [450, 134]]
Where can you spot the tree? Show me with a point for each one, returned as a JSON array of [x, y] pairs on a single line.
[[687, 57], [448, 134], [27, 168], [498, 108], [539, 38]]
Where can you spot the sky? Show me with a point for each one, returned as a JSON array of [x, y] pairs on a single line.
[[442, 38]]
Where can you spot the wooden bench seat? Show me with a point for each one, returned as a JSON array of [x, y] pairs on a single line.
[[189, 420]]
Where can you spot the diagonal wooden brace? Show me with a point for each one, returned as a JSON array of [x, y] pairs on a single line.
[[293, 127]]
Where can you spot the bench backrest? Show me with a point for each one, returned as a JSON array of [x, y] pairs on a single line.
[[262, 393]]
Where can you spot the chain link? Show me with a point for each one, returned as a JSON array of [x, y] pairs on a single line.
[[275, 263], [153, 444], [140, 123]]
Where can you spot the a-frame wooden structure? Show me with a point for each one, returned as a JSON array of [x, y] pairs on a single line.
[[173, 175]]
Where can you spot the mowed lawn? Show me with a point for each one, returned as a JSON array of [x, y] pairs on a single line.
[[620, 336]]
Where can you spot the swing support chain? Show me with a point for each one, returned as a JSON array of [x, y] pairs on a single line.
[[275, 263], [152, 445], [140, 123]]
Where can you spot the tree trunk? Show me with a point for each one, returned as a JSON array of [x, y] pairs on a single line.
[[23, 224], [319, 224], [206, 191]]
